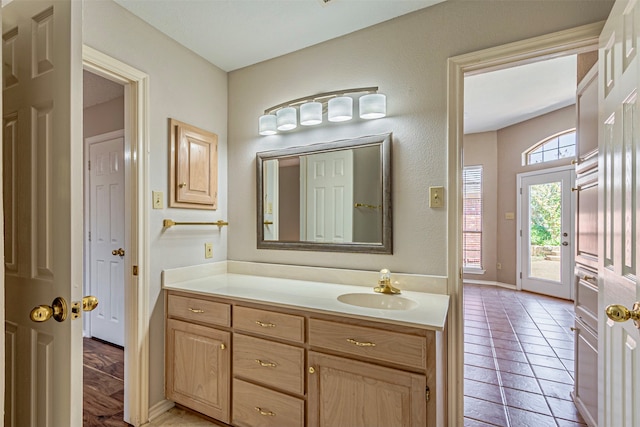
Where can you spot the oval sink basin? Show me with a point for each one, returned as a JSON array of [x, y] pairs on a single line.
[[379, 301]]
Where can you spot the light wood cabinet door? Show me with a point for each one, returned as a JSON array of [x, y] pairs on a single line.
[[344, 392], [194, 167], [198, 368]]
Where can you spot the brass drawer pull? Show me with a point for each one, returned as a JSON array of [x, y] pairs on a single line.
[[265, 413], [588, 278], [266, 364], [361, 344], [265, 325], [196, 310]]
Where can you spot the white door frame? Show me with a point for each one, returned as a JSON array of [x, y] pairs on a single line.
[[576, 40], [519, 224], [136, 148]]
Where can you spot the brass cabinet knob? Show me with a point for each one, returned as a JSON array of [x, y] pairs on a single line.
[[620, 313], [57, 310], [182, 184], [312, 370], [223, 346]]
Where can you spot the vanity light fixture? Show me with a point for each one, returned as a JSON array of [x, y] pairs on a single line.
[[340, 109], [286, 118], [311, 113], [337, 104]]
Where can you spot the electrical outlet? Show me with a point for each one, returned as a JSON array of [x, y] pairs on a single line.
[[208, 250], [436, 197], [158, 200]]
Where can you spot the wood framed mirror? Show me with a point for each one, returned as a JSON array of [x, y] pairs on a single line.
[[333, 196]]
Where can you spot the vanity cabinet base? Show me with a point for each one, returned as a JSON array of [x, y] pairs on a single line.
[[279, 367]]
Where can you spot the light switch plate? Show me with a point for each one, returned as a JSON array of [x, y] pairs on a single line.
[[158, 199], [436, 197], [208, 250]]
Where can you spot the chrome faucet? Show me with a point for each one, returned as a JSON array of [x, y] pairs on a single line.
[[384, 284]]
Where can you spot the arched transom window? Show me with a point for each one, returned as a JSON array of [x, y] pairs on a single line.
[[558, 146]]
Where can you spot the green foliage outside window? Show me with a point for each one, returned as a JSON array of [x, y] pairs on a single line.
[[545, 214]]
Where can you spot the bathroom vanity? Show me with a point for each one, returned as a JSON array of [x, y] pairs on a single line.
[[262, 351]]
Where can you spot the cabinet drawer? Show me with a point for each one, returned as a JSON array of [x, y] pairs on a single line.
[[255, 406], [269, 363], [199, 310], [392, 347], [586, 304], [269, 323]]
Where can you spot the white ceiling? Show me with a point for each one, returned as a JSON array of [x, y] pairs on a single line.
[[236, 33], [232, 34], [502, 98]]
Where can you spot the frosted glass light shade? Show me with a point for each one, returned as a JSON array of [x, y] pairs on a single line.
[[340, 109], [286, 118], [373, 106], [311, 113], [267, 125]]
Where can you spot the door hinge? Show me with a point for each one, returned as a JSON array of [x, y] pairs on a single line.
[[520, 233], [521, 274], [460, 272], [520, 190], [427, 393], [135, 270], [89, 164], [89, 236]]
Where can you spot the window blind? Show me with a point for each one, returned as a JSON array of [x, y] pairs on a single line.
[[472, 217]]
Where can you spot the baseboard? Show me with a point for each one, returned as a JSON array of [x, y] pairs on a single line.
[[160, 408], [489, 283]]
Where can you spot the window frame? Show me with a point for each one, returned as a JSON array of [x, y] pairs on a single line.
[[526, 155]]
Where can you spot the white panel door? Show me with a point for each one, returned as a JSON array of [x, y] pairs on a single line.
[[546, 250], [618, 352], [42, 111], [106, 267], [329, 197]]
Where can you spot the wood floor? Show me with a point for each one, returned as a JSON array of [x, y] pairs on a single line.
[[103, 369]]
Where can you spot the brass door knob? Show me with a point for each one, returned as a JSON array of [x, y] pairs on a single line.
[[89, 303], [620, 313], [57, 310], [182, 185], [118, 251]]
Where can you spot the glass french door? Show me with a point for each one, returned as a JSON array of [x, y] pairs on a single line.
[[546, 227]]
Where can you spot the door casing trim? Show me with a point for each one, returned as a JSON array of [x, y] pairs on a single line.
[[576, 40], [136, 354]]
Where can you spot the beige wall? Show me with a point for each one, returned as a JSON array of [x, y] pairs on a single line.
[[500, 154], [407, 58], [185, 87], [481, 149]]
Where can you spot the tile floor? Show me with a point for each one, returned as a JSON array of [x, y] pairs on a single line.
[[518, 360]]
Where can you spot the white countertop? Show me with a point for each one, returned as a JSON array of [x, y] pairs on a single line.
[[430, 312]]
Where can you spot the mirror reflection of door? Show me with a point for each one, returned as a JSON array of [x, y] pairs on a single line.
[[271, 178], [328, 196], [546, 225]]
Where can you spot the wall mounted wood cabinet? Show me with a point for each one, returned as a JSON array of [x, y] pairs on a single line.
[[193, 168]]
